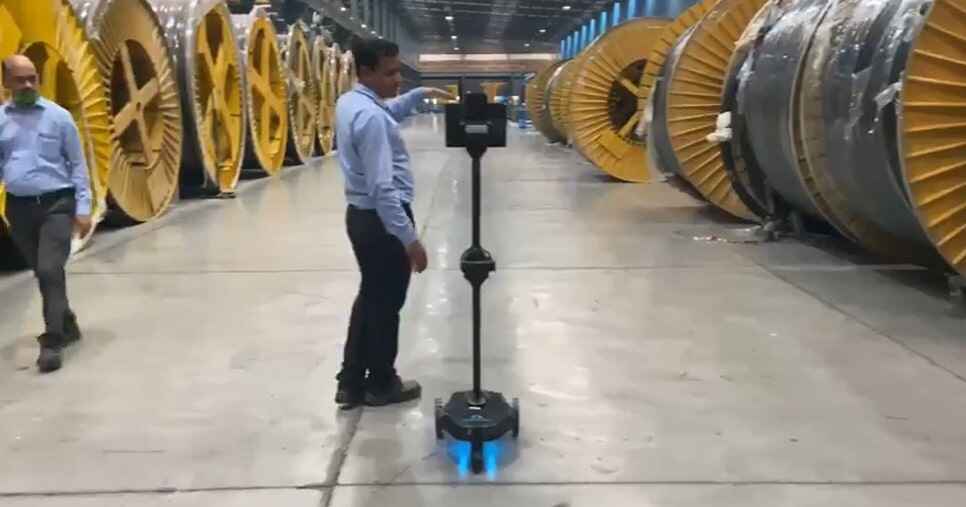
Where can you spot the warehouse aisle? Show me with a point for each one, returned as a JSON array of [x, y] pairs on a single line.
[[654, 368]]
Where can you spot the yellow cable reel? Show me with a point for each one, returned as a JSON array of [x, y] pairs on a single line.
[[604, 113], [303, 97], [266, 91], [324, 64], [537, 104], [695, 94], [144, 104]]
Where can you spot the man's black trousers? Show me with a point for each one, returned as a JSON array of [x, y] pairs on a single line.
[[41, 227], [373, 339]]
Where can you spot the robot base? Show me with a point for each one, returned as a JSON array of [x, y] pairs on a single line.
[[477, 421]]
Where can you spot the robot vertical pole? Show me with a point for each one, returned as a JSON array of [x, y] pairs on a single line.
[[476, 202], [477, 318]]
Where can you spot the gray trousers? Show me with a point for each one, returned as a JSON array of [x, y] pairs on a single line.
[[41, 227]]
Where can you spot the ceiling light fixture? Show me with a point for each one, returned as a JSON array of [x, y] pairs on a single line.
[[543, 30], [452, 37], [449, 18], [364, 26], [566, 7]]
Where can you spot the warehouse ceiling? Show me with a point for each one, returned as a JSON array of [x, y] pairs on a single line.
[[496, 25]]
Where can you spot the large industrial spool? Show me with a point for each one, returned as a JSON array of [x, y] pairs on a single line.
[[695, 91], [769, 99], [536, 103], [337, 70], [266, 91], [558, 96], [203, 47], [52, 36], [303, 96], [887, 141], [324, 63], [347, 72], [605, 95], [144, 103]]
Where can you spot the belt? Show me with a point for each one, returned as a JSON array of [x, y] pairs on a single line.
[[405, 205], [45, 197]]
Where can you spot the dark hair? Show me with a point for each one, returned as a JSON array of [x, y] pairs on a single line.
[[367, 52]]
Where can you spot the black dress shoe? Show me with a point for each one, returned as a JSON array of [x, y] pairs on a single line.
[[398, 392], [349, 398], [49, 359]]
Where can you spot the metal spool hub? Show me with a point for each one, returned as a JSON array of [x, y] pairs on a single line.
[[143, 93], [536, 104], [303, 98], [604, 113], [51, 35], [695, 93], [202, 39], [323, 58], [265, 89]]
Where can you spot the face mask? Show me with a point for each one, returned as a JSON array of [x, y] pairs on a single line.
[[25, 98]]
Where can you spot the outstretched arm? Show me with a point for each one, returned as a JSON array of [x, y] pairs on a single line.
[[402, 107]]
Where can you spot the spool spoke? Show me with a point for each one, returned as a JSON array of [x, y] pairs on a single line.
[[630, 125], [124, 118], [145, 139], [631, 87], [151, 90]]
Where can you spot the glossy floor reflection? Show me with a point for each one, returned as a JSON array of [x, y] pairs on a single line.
[[653, 369]]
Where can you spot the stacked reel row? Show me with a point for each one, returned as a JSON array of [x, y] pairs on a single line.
[[851, 113], [172, 95]]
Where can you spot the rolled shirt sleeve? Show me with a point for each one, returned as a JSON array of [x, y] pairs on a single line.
[[77, 166], [376, 156]]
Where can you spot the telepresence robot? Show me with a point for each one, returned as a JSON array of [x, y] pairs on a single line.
[[476, 416]]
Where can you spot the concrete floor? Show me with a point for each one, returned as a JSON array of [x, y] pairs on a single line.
[[653, 368]]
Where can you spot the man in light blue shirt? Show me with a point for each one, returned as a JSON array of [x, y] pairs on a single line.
[[379, 188], [48, 196]]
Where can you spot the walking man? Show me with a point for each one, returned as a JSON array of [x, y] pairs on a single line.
[[379, 189], [48, 196]]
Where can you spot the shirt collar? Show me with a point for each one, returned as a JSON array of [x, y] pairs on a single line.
[[41, 104], [365, 90]]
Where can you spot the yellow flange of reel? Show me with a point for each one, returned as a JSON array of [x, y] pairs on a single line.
[[266, 91], [323, 58], [695, 91], [51, 35], [303, 96]]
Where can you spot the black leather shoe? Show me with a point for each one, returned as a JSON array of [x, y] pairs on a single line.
[[348, 399], [72, 332], [49, 359], [398, 392]]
